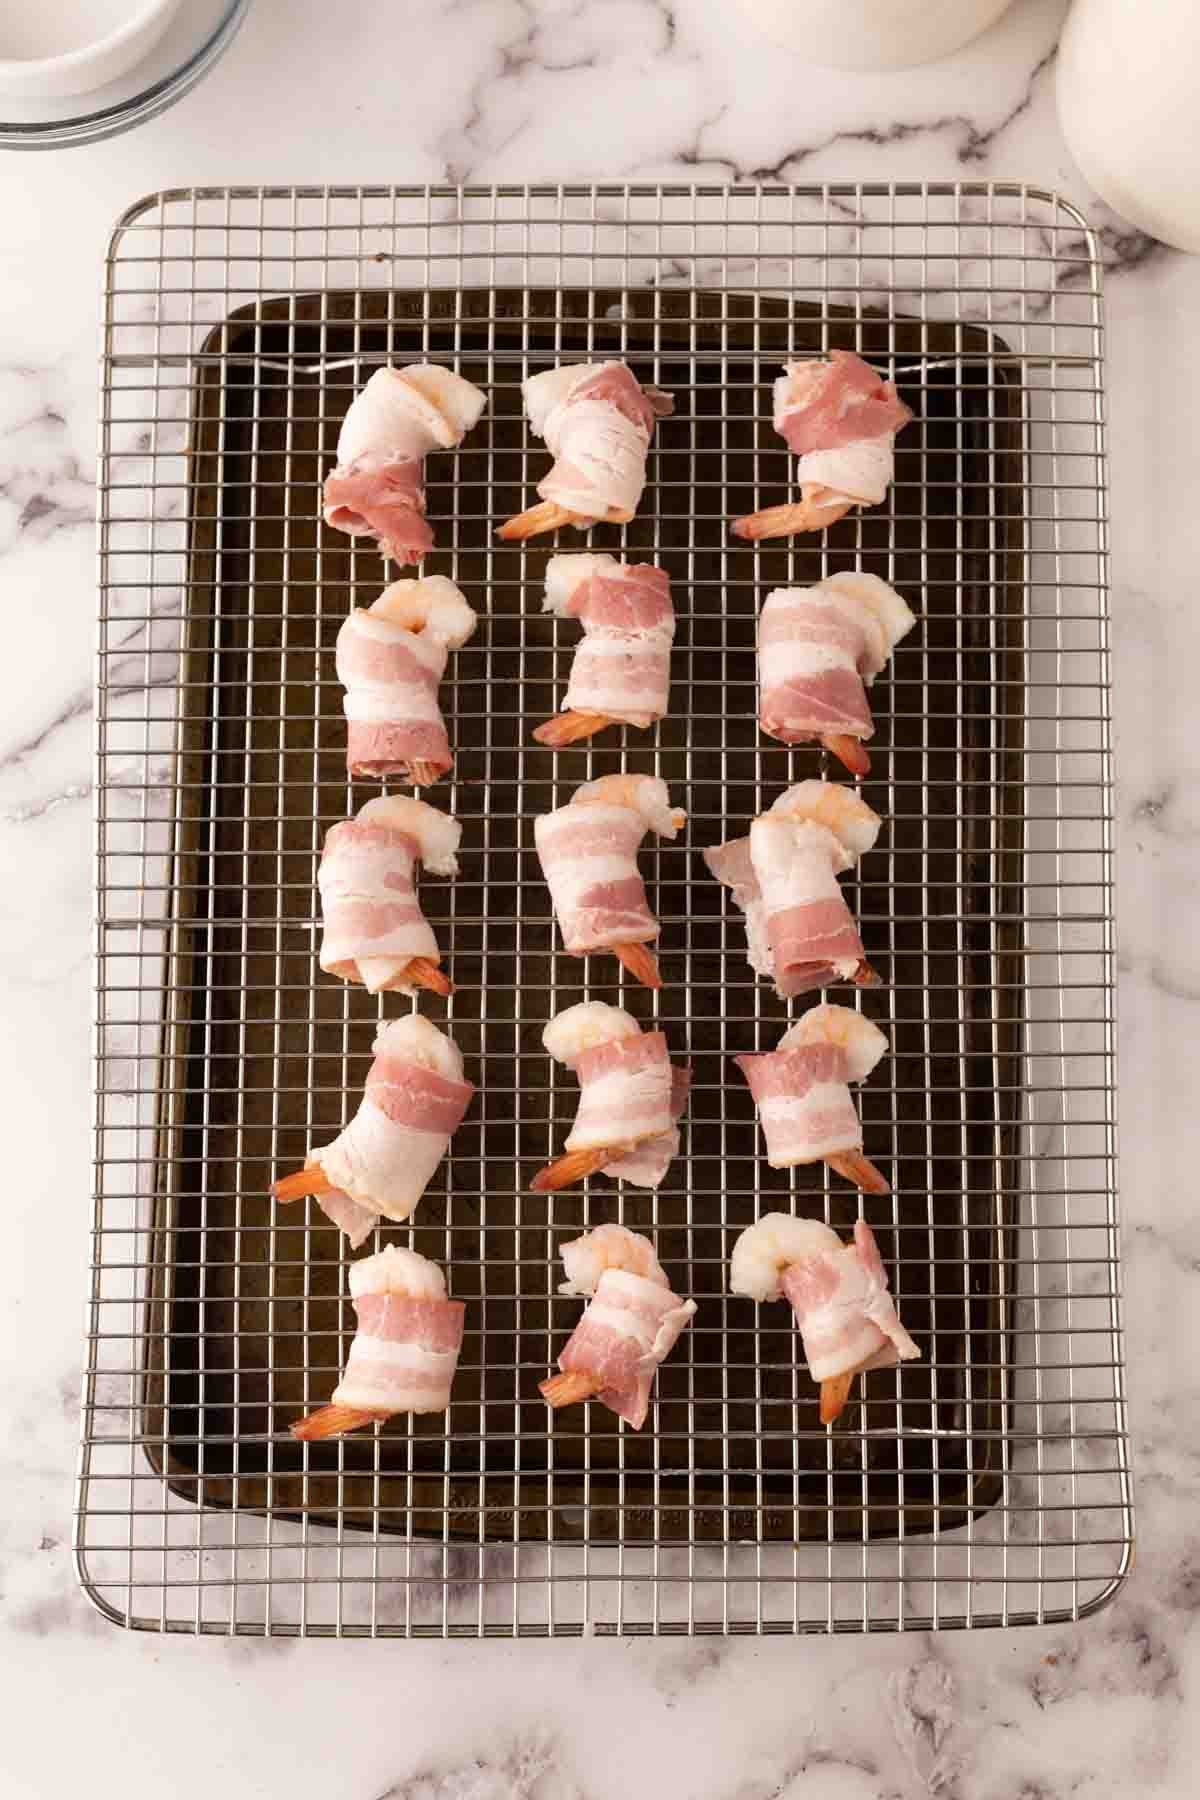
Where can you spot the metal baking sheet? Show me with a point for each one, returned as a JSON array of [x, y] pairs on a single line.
[[255, 1319]]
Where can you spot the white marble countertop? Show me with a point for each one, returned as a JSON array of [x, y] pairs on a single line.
[[527, 89]]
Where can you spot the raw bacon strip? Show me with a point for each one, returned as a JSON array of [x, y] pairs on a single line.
[[375, 930], [647, 1163], [356, 1220], [405, 1350], [845, 1313], [631, 1095], [812, 937], [588, 852], [819, 649], [732, 866], [382, 1162], [803, 1097], [597, 422], [377, 487], [622, 669], [391, 657], [831, 405], [838, 1292], [804, 1104], [625, 1092], [840, 418], [629, 1327], [784, 876]]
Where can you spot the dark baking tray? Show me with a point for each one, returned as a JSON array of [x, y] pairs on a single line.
[[248, 1321]]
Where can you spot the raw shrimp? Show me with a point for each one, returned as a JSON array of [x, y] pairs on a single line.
[[819, 650], [630, 1096], [433, 605], [802, 1092], [378, 485], [381, 1163], [597, 421], [784, 877], [585, 1027], [588, 852], [861, 1039], [391, 657], [621, 671], [375, 931], [839, 809], [765, 1250], [405, 1348], [838, 1292], [644, 794], [630, 1324], [840, 417], [585, 1258]]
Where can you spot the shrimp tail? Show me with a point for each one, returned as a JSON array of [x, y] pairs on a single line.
[[855, 1168], [423, 973], [569, 727], [546, 517], [786, 521], [577, 1165], [567, 1388], [641, 962], [834, 1394], [849, 751], [423, 774], [332, 1421], [312, 1180]]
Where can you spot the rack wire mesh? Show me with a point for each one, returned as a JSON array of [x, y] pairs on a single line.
[[988, 1485]]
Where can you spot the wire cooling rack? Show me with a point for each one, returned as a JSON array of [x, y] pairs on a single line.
[[988, 1484]]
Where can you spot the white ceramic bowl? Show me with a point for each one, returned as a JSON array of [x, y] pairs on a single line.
[[1129, 107], [51, 48], [873, 34]]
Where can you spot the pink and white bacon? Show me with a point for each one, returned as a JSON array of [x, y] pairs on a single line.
[[621, 673], [799, 930], [375, 932], [631, 1323], [840, 417], [378, 485], [381, 1164], [647, 1163], [405, 1350], [391, 657], [588, 852], [597, 421], [839, 1293], [630, 1101], [819, 649], [802, 1093]]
